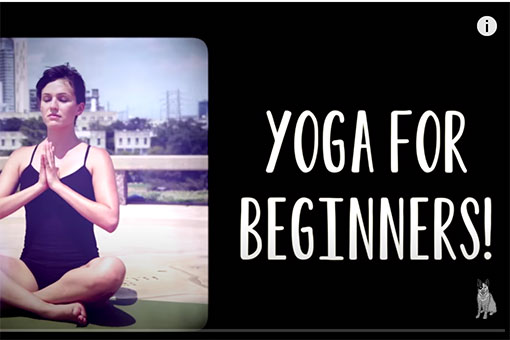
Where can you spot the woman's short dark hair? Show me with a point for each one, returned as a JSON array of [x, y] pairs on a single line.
[[63, 72]]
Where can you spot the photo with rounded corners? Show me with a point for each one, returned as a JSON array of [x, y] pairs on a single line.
[[103, 184]]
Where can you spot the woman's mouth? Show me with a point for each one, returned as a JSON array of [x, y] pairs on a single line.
[[53, 115]]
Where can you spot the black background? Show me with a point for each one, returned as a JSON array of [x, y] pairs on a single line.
[[348, 57]]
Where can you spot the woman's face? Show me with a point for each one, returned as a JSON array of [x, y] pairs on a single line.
[[58, 104]]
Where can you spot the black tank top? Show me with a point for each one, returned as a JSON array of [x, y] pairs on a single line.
[[56, 233]]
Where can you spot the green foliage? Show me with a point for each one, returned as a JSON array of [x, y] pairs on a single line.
[[170, 180], [10, 124], [185, 137], [110, 135], [173, 137], [156, 150], [141, 193], [118, 125], [138, 124], [132, 124], [96, 126], [110, 143], [34, 130]]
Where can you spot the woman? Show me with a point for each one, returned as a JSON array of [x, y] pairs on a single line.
[[66, 186]]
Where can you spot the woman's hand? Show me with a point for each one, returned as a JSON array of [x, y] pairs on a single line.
[[50, 169], [43, 183], [10, 199]]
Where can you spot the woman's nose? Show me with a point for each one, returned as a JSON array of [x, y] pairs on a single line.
[[54, 104]]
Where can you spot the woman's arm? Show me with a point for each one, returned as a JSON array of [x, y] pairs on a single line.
[[104, 212], [9, 178]]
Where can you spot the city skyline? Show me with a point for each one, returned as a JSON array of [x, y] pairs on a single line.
[[131, 73]]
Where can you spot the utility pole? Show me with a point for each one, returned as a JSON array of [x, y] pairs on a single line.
[[173, 98]]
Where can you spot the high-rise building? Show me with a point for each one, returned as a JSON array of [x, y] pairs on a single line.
[[7, 74], [92, 101], [1, 97], [203, 109], [21, 75], [34, 103]]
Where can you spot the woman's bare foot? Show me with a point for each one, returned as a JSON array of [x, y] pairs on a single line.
[[73, 312]]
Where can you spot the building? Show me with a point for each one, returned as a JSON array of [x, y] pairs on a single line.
[[2, 105], [136, 142], [203, 110], [21, 115], [104, 118], [92, 101], [34, 103], [125, 141], [11, 140], [21, 94], [7, 74], [14, 75], [94, 138]]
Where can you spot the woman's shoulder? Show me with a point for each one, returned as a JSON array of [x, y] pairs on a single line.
[[95, 151], [22, 153], [20, 158], [97, 156]]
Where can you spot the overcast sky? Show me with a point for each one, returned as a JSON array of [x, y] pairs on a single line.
[[130, 72]]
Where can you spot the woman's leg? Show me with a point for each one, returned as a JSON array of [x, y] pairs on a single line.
[[18, 271], [96, 281], [16, 281]]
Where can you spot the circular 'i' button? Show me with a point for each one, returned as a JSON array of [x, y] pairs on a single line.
[[487, 26]]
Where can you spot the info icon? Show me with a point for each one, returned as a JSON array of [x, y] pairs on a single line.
[[487, 26]]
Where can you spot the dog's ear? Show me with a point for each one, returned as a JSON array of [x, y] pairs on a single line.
[[479, 283], [487, 282]]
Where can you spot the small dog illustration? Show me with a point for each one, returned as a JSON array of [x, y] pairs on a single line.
[[486, 303]]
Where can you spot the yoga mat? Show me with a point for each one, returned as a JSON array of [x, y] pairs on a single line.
[[117, 316]]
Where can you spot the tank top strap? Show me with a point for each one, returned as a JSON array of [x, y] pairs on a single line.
[[33, 153], [86, 155]]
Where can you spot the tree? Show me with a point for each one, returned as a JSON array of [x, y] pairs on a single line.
[[109, 129], [34, 131], [156, 150], [10, 124], [185, 137], [96, 126], [138, 124], [118, 125]]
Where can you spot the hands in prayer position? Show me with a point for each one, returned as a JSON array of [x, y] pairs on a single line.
[[49, 173]]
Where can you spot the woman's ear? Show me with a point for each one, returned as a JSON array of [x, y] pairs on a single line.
[[81, 108]]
